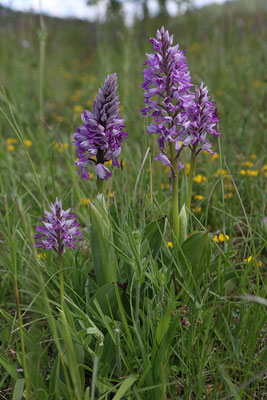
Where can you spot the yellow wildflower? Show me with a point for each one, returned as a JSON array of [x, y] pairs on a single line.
[[252, 173], [253, 157], [200, 179], [27, 142], [165, 186], [111, 195], [243, 172], [11, 141], [214, 157], [249, 259], [198, 197], [42, 256], [61, 146], [187, 168], [257, 84], [197, 209], [170, 244], [247, 163], [85, 201], [10, 147], [77, 109], [223, 171], [220, 238], [228, 195], [264, 170]]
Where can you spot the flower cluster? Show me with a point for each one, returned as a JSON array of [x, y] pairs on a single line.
[[99, 139], [203, 117], [167, 92], [180, 115], [60, 229]]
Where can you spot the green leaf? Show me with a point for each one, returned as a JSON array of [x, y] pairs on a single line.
[[101, 243], [106, 298], [154, 233], [127, 383], [195, 255], [163, 326], [182, 225], [18, 389], [9, 368]]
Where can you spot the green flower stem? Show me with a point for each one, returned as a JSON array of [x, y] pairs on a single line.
[[175, 199], [28, 393], [61, 280], [100, 185], [137, 301], [190, 183]]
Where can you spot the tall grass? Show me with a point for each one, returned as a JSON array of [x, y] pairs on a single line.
[[157, 333]]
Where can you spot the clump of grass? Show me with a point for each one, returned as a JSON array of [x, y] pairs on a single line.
[[156, 332]]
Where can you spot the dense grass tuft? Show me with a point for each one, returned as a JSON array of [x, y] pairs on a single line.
[[159, 332]]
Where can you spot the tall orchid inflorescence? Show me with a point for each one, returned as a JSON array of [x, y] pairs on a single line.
[[59, 230], [167, 95], [99, 139], [182, 117]]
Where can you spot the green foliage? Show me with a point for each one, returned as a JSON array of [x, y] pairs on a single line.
[[143, 318], [194, 256], [101, 243]]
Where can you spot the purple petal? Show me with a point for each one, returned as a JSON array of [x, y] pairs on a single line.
[[102, 171]]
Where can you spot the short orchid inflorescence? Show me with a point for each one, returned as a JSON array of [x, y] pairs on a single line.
[[60, 230], [99, 139], [203, 117]]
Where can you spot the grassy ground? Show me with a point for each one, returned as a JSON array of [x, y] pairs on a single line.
[[180, 341]]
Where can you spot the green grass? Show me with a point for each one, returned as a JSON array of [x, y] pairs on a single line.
[[184, 337]]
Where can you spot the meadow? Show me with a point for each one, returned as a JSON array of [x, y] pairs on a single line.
[[180, 320]]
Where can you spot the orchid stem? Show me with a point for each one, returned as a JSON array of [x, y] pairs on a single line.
[[190, 183], [175, 198], [61, 280], [100, 184]]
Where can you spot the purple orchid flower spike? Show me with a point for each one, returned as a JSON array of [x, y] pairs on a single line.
[[167, 93], [59, 230], [204, 117], [99, 139]]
